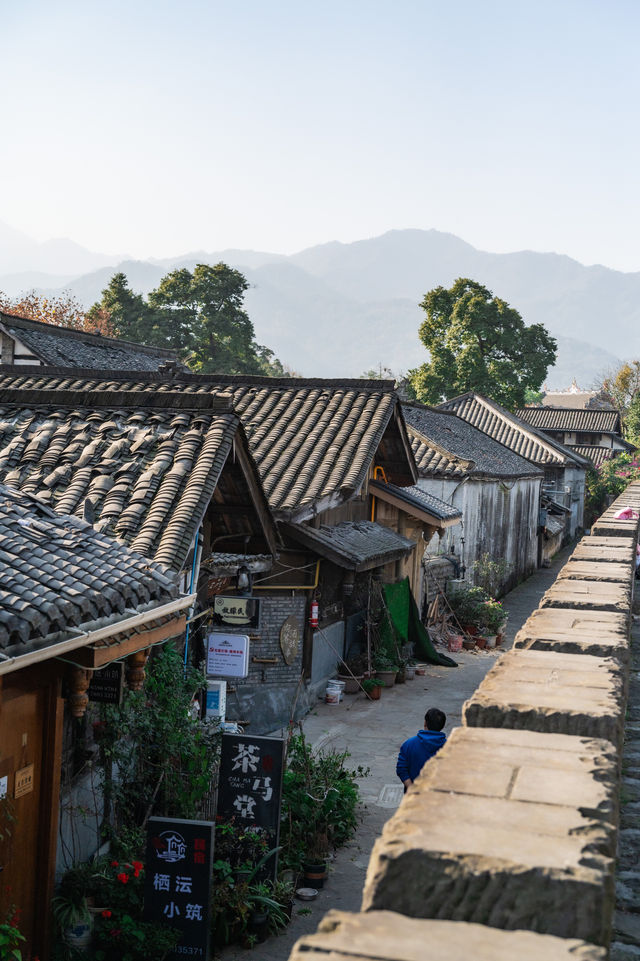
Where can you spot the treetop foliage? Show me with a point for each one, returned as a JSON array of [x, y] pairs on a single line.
[[478, 342], [198, 313], [62, 310]]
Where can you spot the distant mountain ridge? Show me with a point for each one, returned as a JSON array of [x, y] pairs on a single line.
[[338, 309]]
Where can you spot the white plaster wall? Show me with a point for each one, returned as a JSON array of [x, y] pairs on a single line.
[[574, 479], [500, 519]]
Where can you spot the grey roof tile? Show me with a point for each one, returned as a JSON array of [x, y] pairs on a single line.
[[504, 427], [571, 419], [311, 439], [356, 545], [91, 573], [445, 444], [62, 347]]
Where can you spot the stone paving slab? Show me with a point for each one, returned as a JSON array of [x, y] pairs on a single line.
[[552, 693], [385, 936], [596, 571], [609, 526], [606, 550], [593, 595], [569, 631], [532, 851]]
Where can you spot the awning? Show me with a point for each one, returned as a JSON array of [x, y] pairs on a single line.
[[418, 503], [354, 545]]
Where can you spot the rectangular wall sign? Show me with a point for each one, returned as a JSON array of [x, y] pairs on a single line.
[[178, 874]]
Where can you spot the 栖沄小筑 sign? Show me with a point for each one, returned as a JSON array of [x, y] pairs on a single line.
[[177, 888], [250, 786], [227, 655]]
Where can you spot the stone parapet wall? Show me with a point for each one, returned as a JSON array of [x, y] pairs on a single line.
[[539, 755]]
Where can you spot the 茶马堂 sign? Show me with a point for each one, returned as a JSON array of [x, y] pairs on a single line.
[[241, 611], [250, 786], [177, 888], [227, 655]]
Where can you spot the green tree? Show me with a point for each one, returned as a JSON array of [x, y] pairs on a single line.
[[632, 421], [129, 314], [478, 342], [199, 314]]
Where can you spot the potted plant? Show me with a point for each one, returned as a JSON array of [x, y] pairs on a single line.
[[386, 670], [11, 936], [351, 672], [319, 802], [71, 907], [372, 687], [492, 615]]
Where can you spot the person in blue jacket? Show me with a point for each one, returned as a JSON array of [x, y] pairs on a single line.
[[418, 749]]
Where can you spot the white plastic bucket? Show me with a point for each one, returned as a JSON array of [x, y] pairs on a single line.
[[332, 695]]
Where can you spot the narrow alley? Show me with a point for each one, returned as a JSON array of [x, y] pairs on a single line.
[[372, 732]]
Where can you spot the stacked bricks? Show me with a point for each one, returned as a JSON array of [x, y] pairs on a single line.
[[505, 845]]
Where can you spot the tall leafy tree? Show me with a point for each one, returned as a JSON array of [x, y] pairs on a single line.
[[478, 342], [128, 312], [198, 313]]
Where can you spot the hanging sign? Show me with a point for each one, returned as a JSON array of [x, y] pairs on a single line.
[[250, 786], [241, 611], [290, 634], [177, 887], [227, 655], [23, 781], [106, 684]]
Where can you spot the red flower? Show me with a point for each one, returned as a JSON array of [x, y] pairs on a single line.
[[138, 865], [115, 932], [122, 877], [106, 914], [115, 864]]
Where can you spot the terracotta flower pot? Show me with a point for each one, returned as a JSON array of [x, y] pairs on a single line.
[[469, 643], [388, 678], [374, 694], [499, 638], [481, 642], [351, 684]]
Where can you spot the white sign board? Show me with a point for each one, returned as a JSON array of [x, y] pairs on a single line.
[[227, 655]]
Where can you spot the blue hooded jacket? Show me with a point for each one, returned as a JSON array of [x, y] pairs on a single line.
[[416, 751]]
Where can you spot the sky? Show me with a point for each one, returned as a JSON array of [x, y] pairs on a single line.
[[156, 128]]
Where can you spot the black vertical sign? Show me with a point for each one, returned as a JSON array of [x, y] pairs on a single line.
[[250, 786], [178, 875]]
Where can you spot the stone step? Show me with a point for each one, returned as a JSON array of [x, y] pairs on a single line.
[[507, 828], [589, 595], [576, 631], [385, 936], [552, 693]]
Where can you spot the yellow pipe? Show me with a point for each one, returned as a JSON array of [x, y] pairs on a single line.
[[291, 587], [373, 499]]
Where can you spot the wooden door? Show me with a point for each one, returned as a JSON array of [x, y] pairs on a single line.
[[30, 714]]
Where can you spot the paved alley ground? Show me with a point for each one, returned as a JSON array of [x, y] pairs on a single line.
[[372, 732]]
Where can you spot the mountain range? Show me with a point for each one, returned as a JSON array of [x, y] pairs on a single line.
[[339, 309]]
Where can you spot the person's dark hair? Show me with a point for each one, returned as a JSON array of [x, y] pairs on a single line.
[[435, 719]]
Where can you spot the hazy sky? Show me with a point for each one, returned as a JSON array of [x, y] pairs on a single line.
[[161, 127]]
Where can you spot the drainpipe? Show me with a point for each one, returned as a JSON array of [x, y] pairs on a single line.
[[195, 572]]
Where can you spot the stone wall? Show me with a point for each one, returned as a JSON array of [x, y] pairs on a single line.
[[505, 846]]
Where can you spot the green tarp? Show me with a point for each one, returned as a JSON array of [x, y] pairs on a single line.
[[405, 618]]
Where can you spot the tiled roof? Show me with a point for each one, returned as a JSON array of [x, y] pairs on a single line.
[[356, 545], [509, 430], [146, 464], [420, 500], [597, 455], [565, 418], [57, 574], [313, 440], [446, 445], [62, 347]]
